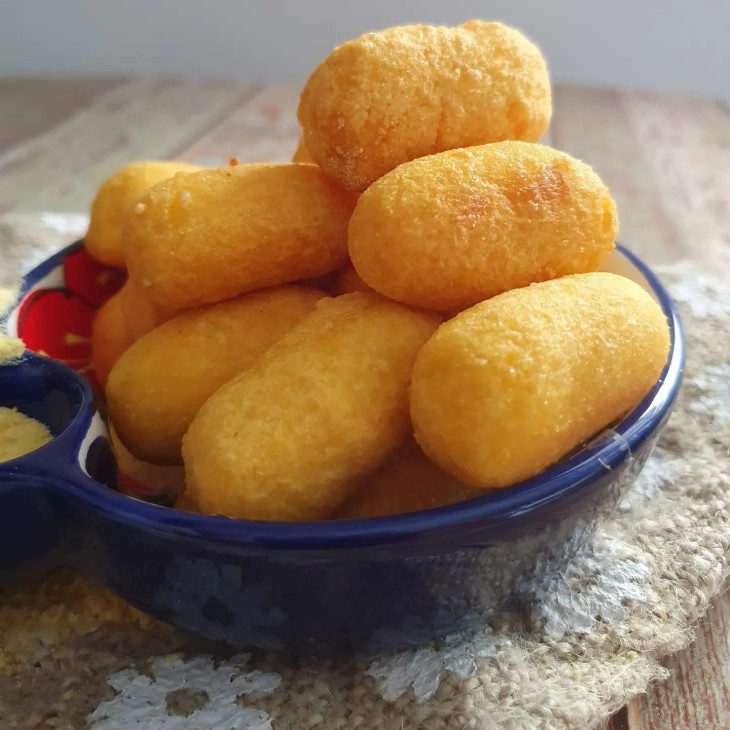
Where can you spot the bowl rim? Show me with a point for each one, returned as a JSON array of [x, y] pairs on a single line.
[[73, 385], [566, 477]]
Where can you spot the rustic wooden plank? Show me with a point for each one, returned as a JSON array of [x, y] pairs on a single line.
[[61, 168], [697, 696], [592, 125], [263, 129], [619, 721], [29, 107], [686, 143]]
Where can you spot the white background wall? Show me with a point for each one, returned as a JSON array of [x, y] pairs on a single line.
[[666, 45]]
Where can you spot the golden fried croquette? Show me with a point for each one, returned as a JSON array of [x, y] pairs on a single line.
[[116, 194], [110, 337], [160, 382], [347, 280], [301, 153], [508, 387], [447, 231], [408, 482], [185, 503], [389, 97], [215, 234], [159, 480], [286, 438], [140, 313], [323, 283], [122, 320]]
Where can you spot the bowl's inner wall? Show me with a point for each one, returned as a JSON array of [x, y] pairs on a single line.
[[100, 462], [42, 392]]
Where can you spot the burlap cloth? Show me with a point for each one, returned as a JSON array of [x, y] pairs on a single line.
[[74, 656]]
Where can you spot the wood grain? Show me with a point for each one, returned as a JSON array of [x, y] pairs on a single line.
[[264, 129], [697, 696], [665, 158], [619, 721], [60, 168], [685, 145], [592, 125], [29, 107]]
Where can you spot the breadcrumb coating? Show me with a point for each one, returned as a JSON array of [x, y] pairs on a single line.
[[286, 438], [409, 482], [116, 194], [398, 94], [162, 380], [212, 235], [451, 230], [510, 386]]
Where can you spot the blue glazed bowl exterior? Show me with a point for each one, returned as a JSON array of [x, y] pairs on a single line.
[[380, 583]]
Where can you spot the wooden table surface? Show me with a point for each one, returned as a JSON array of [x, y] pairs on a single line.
[[666, 159]]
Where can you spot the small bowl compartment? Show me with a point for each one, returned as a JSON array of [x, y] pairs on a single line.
[[43, 390], [48, 392]]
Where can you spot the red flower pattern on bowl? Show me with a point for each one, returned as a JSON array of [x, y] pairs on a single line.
[[55, 316]]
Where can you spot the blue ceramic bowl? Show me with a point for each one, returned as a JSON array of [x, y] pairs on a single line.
[[341, 585]]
